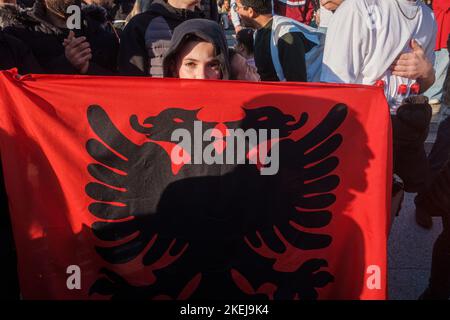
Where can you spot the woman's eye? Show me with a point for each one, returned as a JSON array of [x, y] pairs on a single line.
[[215, 66], [190, 64]]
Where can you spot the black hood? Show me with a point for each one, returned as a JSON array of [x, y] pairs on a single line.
[[162, 8], [96, 13], [207, 30]]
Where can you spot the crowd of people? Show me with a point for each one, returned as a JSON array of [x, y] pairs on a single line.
[[400, 45]]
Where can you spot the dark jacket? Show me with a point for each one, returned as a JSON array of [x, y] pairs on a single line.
[[410, 128], [438, 195], [446, 90], [45, 40], [147, 37], [210, 9], [207, 30], [121, 9], [292, 48], [15, 54]]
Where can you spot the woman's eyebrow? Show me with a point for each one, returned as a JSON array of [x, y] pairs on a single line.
[[190, 59]]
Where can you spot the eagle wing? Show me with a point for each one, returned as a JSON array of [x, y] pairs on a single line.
[[305, 182], [126, 194]]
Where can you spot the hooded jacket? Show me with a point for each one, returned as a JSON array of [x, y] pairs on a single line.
[[206, 30], [147, 36], [15, 54], [45, 40]]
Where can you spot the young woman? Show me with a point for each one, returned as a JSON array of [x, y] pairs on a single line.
[[199, 50]]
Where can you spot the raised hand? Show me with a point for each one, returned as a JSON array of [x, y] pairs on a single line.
[[78, 52]]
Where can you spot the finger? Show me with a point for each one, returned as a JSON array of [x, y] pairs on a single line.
[[83, 46], [403, 74], [75, 42], [79, 52], [70, 53], [80, 48], [406, 56], [415, 45], [85, 59], [400, 68], [69, 37], [81, 55], [412, 63]]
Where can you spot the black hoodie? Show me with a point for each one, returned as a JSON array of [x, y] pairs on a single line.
[[207, 30], [147, 37], [16, 54]]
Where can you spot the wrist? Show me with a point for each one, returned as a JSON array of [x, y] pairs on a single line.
[[428, 72]]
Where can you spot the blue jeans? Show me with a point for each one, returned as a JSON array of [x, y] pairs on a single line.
[[440, 65], [225, 20]]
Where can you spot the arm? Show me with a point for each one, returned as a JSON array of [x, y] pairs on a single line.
[[291, 50]]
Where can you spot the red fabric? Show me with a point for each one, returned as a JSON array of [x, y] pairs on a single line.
[[441, 10], [44, 135], [300, 10]]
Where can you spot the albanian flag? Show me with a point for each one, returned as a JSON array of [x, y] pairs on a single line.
[[123, 187]]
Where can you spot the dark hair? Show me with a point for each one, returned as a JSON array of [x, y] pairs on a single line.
[[259, 6], [245, 38]]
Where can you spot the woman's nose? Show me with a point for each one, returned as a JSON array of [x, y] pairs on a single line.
[[201, 74]]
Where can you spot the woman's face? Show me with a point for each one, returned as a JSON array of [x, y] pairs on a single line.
[[197, 60]]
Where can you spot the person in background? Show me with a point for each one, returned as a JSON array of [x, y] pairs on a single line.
[[327, 8], [245, 46], [235, 19], [121, 9], [138, 7], [299, 10], [390, 43], [438, 155], [441, 10], [20, 3], [147, 36], [360, 50], [224, 12], [331, 5], [437, 201], [209, 9], [43, 29], [281, 43]]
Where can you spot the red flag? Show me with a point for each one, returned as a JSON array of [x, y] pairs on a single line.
[[137, 186]]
